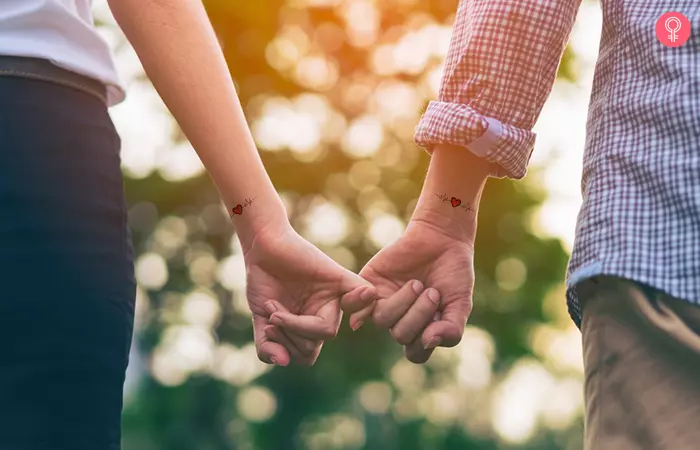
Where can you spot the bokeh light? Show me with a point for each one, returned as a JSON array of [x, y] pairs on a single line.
[[256, 403], [332, 90]]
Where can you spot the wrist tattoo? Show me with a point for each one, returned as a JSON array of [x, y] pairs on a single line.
[[238, 209], [454, 201]]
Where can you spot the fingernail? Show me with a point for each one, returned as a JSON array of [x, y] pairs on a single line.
[[417, 287], [433, 342], [275, 361], [270, 307], [434, 295], [358, 325]]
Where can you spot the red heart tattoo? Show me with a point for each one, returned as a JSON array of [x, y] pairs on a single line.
[[238, 209], [456, 202]]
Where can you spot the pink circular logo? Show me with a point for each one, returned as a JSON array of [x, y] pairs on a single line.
[[673, 29]]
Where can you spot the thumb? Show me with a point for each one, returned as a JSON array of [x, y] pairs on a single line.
[[448, 331]]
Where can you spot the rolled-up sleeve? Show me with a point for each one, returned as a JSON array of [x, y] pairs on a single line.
[[500, 69]]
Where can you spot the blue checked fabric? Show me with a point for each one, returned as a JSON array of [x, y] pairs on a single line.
[[640, 217]]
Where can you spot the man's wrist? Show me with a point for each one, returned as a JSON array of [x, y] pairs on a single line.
[[451, 193], [452, 223]]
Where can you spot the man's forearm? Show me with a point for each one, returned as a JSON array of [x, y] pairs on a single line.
[[182, 57], [452, 191], [499, 92]]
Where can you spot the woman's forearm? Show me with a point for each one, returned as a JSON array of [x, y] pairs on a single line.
[[183, 59]]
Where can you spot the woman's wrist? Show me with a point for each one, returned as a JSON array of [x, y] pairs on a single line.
[[255, 224]]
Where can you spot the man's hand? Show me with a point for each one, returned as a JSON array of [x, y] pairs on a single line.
[[426, 256], [294, 293]]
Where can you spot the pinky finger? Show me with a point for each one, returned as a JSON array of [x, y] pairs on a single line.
[[276, 335], [358, 299], [415, 351], [268, 352], [359, 318]]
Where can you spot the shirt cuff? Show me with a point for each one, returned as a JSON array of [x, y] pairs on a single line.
[[508, 148]]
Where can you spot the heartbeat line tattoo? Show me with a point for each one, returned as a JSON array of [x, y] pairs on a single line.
[[238, 209], [454, 201]]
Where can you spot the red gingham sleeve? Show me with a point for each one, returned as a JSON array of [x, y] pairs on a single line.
[[500, 69]]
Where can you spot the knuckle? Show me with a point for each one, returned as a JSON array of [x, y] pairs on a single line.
[[305, 362], [308, 361], [330, 333], [403, 340], [468, 308], [380, 317], [309, 347], [348, 304], [426, 306], [400, 336]]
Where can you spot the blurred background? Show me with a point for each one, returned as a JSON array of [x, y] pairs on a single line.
[[333, 90]]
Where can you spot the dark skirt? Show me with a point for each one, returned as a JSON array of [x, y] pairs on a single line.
[[67, 286]]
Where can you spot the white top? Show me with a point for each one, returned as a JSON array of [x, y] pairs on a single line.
[[63, 32]]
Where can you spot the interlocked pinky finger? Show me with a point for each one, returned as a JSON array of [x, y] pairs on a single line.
[[274, 334], [268, 351]]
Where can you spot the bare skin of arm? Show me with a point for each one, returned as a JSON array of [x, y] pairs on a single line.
[[288, 279], [425, 280], [183, 59]]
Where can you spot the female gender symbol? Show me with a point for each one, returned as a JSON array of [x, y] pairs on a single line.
[[673, 29]]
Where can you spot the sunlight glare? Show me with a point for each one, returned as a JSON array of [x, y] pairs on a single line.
[[511, 274], [362, 19], [232, 272], [151, 271], [385, 229], [564, 404], [518, 400], [477, 352], [179, 162], [408, 377], [317, 72], [326, 224], [364, 137], [376, 397], [237, 367], [201, 309], [257, 404]]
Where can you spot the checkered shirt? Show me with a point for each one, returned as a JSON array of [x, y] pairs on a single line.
[[640, 217]]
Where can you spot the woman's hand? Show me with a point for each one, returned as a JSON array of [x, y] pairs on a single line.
[[291, 284]]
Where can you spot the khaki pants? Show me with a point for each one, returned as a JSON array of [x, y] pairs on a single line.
[[641, 354]]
